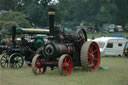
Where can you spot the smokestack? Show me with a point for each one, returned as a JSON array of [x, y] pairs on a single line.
[[13, 34], [51, 13]]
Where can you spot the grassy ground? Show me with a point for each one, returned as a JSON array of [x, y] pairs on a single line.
[[106, 34], [116, 75]]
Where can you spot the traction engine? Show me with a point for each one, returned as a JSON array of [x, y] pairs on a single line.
[[14, 54], [66, 51]]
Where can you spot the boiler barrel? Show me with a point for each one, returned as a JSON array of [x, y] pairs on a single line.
[[55, 49]]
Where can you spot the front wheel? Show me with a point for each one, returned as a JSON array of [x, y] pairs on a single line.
[[65, 65], [37, 67]]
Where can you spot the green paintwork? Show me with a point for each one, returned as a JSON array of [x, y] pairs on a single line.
[[39, 41]]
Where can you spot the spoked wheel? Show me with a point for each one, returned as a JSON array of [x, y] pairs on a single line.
[[90, 56], [65, 65], [37, 67], [82, 34], [16, 60], [4, 60]]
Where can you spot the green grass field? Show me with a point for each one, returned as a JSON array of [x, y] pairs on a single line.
[[116, 75]]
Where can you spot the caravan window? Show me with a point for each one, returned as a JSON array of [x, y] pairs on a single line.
[[110, 45], [120, 44]]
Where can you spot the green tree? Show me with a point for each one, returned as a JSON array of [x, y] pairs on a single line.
[[122, 14], [37, 14], [95, 12], [7, 5], [17, 17]]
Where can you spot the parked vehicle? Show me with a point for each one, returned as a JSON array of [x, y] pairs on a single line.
[[111, 46]]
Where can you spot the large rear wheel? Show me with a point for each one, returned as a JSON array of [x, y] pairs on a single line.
[[65, 65], [37, 67], [90, 56]]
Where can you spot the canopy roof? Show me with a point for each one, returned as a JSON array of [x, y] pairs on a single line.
[[32, 31]]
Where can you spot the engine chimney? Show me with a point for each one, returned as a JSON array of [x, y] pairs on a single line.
[[13, 34], [51, 13]]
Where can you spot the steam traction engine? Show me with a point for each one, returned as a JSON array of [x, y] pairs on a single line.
[[11, 53], [66, 51], [14, 54]]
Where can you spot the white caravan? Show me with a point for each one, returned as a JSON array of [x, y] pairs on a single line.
[[111, 46]]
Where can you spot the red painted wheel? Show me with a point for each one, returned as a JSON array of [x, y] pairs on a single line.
[[90, 56], [65, 65], [37, 67]]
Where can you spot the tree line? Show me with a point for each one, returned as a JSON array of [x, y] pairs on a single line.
[[33, 13]]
